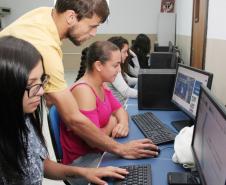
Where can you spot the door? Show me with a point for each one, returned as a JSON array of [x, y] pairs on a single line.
[[199, 30]]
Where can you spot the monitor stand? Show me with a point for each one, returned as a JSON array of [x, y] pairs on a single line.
[[178, 125]]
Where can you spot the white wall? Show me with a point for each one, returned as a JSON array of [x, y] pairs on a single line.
[[127, 16], [132, 17], [166, 28], [216, 44], [216, 19], [19, 7], [184, 17]]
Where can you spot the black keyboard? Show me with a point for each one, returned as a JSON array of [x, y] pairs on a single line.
[[153, 128], [138, 174]]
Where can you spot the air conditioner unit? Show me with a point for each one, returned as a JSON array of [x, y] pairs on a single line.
[[4, 11]]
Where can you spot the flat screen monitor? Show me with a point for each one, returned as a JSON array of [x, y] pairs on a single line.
[[161, 60], [155, 88], [158, 48], [186, 92], [209, 138]]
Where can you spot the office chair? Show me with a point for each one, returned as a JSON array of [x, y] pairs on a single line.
[[54, 129]]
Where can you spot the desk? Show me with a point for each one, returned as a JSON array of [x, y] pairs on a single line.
[[160, 165]]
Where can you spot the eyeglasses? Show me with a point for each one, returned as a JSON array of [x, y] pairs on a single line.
[[33, 90]]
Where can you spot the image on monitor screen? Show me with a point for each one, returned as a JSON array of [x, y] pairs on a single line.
[[186, 92], [208, 143]]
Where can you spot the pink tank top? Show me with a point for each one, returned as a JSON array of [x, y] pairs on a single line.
[[72, 145]]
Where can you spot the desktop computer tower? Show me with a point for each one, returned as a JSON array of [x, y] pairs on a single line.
[[155, 88]]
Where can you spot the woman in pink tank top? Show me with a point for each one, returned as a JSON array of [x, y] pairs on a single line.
[[95, 100]]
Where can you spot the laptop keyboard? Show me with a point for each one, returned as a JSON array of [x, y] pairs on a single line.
[[153, 128], [138, 174]]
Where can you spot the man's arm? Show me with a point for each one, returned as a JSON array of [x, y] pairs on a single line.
[[80, 124], [83, 127]]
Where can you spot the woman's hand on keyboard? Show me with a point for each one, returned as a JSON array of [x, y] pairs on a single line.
[[141, 148], [95, 175]]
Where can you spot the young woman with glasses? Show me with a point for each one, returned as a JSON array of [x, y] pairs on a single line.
[[23, 153]]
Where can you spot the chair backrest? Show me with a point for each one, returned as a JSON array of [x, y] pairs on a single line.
[[54, 129]]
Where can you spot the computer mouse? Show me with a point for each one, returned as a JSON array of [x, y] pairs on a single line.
[[158, 150]]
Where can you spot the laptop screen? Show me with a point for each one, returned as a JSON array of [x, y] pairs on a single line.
[[209, 140]]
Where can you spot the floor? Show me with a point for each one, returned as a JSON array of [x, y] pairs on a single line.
[[69, 76]]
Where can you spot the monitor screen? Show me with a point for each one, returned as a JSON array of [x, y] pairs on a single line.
[[187, 87], [209, 138]]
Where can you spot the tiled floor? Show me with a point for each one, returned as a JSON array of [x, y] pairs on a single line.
[[69, 76]]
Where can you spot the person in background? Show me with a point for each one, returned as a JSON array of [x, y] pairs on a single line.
[[133, 65], [45, 28], [97, 103], [141, 47], [23, 153], [122, 81]]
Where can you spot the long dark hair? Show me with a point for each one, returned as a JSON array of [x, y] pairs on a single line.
[[121, 42], [82, 68], [141, 47], [97, 51], [17, 59]]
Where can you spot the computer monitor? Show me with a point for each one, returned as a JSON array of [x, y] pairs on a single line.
[[158, 48], [155, 88], [209, 138], [161, 60], [186, 92]]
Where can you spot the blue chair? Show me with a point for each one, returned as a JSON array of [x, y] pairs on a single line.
[[54, 129]]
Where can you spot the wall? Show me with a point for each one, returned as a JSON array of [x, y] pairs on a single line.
[[184, 28], [216, 44], [184, 17], [166, 28], [20, 8], [132, 17], [123, 12]]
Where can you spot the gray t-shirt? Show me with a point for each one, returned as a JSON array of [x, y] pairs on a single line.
[[34, 167]]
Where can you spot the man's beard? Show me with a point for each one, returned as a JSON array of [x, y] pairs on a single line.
[[74, 41], [72, 38]]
